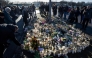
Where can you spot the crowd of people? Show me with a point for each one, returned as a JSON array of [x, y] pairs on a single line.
[[8, 16], [8, 27], [74, 12]]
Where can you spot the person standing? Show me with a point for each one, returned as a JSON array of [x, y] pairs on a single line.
[[60, 11], [30, 12], [34, 10], [7, 33], [25, 16], [41, 8], [13, 15], [54, 8], [82, 15], [72, 16], [8, 18], [65, 11], [77, 13], [46, 9], [86, 13]]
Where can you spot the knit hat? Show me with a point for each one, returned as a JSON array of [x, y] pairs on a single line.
[[7, 9]]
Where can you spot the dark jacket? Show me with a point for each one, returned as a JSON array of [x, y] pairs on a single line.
[[47, 8], [2, 20], [86, 13], [33, 8], [42, 7], [7, 33], [65, 9], [13, 15], [72, 14], [54, 8], [25, 14], [60, 9], [77, 13], [8, 19]]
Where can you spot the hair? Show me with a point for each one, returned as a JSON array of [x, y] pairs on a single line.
[[12, 8]]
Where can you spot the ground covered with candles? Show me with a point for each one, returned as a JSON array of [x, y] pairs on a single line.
[[55, 40]]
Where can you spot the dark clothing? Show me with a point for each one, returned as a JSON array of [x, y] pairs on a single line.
[[85, 23], [2, 20], [2, 48], [25, 18], [87, 13], [82, 16], [72, 16], [65, 8], [8, 18], [60, 11], [86, 18], [13, 15], [77, 12], [91, 12], [65, 12], [54, 10], [33, 8], [47, 8], [90, 15], [42, 8], [6, 33]]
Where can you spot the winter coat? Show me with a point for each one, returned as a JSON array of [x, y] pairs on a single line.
[[13, 15], [8, 18], [7, 33]]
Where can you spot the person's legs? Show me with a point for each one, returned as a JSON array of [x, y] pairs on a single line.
[[35, 12], [83, 23], [61, 14], [86, 23], [25, 21], [55, 12], [64, 15], [40, 12], [81, 18], [76, 19]]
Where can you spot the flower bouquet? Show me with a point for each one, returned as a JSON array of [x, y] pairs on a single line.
[[34, 43]]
